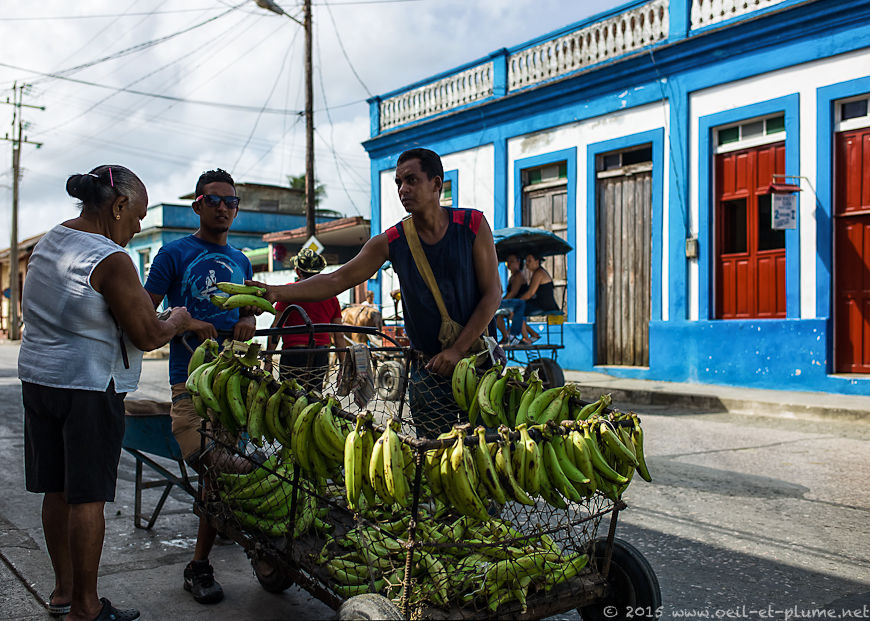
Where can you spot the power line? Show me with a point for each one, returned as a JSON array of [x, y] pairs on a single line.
[[199, 102], [344, 52], [43, 18], [268, 98], [331, 135], [147, 44]]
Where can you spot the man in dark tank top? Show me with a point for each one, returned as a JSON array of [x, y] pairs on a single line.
[[459, 248]]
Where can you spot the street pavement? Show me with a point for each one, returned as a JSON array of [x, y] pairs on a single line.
[[756, 511]]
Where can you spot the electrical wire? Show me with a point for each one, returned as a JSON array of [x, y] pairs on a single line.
[[199, 102], [43, 18], [268, 98], [145, 45], [331, 134], [344, 52]]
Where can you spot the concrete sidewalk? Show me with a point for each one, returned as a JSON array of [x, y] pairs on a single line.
[[637, 393]]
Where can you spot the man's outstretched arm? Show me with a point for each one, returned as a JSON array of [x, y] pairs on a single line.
[[363, 266]]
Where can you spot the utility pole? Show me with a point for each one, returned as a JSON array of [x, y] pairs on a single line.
[[309, 126], [271, 5], [18, 138]]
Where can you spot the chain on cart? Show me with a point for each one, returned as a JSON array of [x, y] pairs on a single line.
[[475, 496]]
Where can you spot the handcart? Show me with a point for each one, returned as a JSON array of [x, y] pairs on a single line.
[[540, 356], [416, 557]]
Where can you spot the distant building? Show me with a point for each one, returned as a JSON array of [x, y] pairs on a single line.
[[664, 140], [262, 209]]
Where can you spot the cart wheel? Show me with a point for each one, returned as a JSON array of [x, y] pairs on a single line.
[[275, 581], [633, 587], [548, 370], [389, 380], [368, 606]]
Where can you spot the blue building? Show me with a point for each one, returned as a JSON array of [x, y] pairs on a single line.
[[707, 160], [263, 209]]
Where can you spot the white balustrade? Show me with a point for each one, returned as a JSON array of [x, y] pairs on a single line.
[[609, 38], [707, 12], [456, 90]]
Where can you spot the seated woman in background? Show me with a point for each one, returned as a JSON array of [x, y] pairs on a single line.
[[516, 286], [538, 298]]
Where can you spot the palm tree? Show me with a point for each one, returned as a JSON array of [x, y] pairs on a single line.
[[297, 182]]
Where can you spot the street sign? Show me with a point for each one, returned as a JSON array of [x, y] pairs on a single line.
[[784, 212], [314, 244]]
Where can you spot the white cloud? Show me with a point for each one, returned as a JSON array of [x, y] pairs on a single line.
[[233, 60]]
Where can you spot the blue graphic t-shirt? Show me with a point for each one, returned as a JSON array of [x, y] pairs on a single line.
[[186, 272]]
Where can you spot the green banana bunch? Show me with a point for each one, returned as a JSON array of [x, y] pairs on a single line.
[[328, 436], [535, 387], [527, 459], [459, 478], [257, 413], [301, 442], [377, 474], [233, 288], [505, 471], [487, 412], [242, 299], [208, 347], [394, 466], [637, 440], [592, 409], [486, 468], [272, 415], [540, 403]]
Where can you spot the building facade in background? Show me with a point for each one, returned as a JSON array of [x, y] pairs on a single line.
[[662, 139]]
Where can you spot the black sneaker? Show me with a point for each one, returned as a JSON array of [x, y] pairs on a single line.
[[110, 613], [199, 580]]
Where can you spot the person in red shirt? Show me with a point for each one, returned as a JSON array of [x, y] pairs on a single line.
[[315, 363]]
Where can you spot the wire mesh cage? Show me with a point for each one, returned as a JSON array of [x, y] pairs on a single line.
[[307, 462]]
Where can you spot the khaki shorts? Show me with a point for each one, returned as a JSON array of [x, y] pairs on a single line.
[[186, 423]]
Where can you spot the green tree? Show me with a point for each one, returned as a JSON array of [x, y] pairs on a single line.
[[297, 182]]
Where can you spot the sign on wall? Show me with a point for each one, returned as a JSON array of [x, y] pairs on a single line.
[[784, 211]]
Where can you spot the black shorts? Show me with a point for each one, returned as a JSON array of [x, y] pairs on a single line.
[[72, 441]]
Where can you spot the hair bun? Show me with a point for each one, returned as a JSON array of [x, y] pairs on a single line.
[[83, 187]]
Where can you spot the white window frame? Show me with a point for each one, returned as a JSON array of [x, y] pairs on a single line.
[[849, 124], [748, 143]]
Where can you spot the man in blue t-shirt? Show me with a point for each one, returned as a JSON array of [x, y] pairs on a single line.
[[186, 272]]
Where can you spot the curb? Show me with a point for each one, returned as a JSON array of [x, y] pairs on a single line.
[[819, 406]]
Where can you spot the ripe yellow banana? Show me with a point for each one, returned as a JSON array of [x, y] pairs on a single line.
[[353, 465]]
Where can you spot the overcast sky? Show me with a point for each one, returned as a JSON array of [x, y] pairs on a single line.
[[244, 57]]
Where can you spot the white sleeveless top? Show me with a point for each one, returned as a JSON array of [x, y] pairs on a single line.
[[70, 339]]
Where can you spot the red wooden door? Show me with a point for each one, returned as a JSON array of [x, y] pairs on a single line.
[[852, 253], [750, 255]]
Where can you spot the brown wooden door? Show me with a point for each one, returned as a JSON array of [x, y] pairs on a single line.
[[750, 255], [623, 249], [852, 253], [547, 208]]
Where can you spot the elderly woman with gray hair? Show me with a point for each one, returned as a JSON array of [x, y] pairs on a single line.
[[87, 320]]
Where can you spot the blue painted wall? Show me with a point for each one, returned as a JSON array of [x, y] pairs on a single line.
[[794, 353]]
